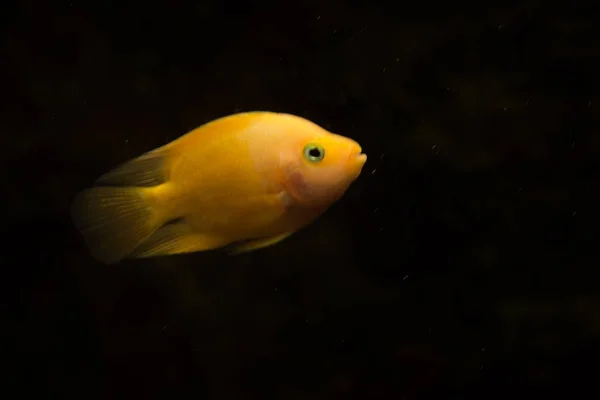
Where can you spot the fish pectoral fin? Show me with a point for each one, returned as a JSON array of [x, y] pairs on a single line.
[[176, 238], [251, 245]]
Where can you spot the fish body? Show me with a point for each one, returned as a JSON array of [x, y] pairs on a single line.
[[249, 179]]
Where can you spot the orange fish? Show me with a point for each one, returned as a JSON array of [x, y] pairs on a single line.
[[248, 180]]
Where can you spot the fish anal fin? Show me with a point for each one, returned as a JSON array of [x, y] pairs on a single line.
[[175, 238], [256, 244], [149, 169]]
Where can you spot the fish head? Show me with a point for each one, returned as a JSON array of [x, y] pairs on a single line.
[[319, 166]]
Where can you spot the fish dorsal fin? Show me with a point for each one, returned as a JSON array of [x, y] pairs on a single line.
[[147, 170]]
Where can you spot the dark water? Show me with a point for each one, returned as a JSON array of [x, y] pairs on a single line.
[[462, 264]]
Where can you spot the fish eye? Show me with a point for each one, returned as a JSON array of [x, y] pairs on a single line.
[[314, 152]]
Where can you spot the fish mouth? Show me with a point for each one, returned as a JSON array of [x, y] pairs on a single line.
[[356, 162], [356, 154], [361, 158]]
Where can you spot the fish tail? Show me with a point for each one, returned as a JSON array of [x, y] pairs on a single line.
[[115, 220]]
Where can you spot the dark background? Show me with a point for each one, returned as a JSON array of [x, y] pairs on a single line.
[[461, 264]]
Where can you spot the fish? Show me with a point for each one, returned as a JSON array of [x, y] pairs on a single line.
[[244, 181]]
